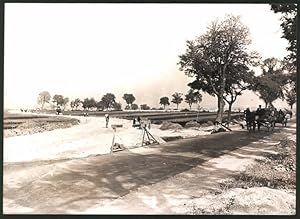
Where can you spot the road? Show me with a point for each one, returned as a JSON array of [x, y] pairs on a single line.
[[153, 180]]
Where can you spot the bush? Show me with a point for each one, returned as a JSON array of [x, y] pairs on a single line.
[[134, 106], [145, 107]]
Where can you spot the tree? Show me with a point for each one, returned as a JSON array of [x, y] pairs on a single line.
[[100, 105], [129, 98], [117, 106], [58, 100], [164, 101], [193, 97], [144, 107], [72, 104], [44, 97], [134, 106], [270, 84], [77, 103], [92, 102], [208, 57], [108, 100], [89, 103], [85, 103], [288, 25], [65, 102], [291, 97], [177, 98]]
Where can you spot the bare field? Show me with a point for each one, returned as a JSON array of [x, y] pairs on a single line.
[[23, 124]]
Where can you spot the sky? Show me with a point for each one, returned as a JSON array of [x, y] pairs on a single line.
[[87, 50]]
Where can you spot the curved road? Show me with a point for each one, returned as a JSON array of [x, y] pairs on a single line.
[[154, 180]]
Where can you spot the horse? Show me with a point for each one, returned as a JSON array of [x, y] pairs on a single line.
[[250, 120]]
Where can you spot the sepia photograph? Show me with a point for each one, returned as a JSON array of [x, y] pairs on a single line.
[[149, 109]]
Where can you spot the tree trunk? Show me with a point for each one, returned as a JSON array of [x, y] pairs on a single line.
[[43, 105], [292, 106], [229, 113], [221, 102], [190, 106], [177, 106], [266, 104], [220, 109]]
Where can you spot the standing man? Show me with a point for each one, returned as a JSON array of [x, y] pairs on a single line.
[[106, 120]]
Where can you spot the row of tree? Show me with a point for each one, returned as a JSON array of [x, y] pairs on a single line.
[[220, 63], [108, 101], [190, 98]]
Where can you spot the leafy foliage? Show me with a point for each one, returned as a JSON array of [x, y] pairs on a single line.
[[129, 98], [77, 103], [291, 97], [145, 107], [215, 54], [193, 97], [58, 100], [108, 100], [117, 106], [44, 97], [164, 101], [177, 98], [271, 82], [134, 106], [288, 25], [89, 103]]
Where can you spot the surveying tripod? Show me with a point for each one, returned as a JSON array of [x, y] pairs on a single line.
[[151, 139]]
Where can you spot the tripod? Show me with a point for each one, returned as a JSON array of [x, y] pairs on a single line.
[[151, 139]]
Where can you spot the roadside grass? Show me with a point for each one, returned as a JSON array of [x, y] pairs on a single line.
[[276, 171]]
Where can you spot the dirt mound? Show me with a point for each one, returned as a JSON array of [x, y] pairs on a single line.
[[170, 125], [192, 124], [256, 200], [206, 124]]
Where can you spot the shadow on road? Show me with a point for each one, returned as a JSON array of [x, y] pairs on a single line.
[[78, 184]]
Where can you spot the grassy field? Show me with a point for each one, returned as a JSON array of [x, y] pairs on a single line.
[[24, 124]]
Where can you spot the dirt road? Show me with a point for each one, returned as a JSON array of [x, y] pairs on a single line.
[[154, 180]]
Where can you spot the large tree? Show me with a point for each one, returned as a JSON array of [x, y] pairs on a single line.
[[86, 103], [164, 101], [58, 100], [44, 97], [100, 105], [288, 25], [208, 58], [270, 84], [177, 98], [193, 97], [89, 103], [77, 103], [129, 98], [108, 100]]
